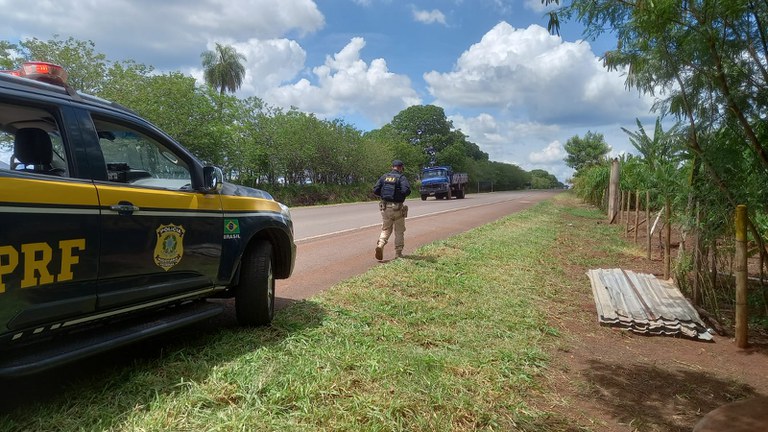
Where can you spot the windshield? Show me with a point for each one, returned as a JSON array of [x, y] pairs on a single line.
[[434, 173]]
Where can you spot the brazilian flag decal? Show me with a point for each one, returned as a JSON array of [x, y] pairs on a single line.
[[231, 226]]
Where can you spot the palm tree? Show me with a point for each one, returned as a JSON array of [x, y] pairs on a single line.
[[223, 68]]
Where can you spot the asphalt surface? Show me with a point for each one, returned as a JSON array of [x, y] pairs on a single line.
[[337, 242]]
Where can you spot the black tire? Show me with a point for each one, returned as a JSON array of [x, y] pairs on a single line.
[[424, 197], [255, 294]]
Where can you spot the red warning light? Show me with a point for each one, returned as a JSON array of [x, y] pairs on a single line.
[[41, 71]]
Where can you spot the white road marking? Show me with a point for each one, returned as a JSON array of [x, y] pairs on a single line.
[[315, 237]]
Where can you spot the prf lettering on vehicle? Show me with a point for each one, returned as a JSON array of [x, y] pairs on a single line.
[[36, 257]]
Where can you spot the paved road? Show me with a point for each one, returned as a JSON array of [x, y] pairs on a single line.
[[336, 242]]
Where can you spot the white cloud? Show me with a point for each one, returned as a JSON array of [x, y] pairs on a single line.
[[534, 75], [551, 159], [348, 85], [270, 63], [429, 17], [174, 33], [554, 152], [505, 140], [255, 18]]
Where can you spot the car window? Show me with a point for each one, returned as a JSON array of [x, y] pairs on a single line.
[[30, 141], [136, 158]]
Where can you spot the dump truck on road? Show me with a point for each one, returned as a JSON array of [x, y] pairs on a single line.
[[442, 183]]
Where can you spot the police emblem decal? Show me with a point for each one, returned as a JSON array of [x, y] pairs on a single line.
[[169, 248]]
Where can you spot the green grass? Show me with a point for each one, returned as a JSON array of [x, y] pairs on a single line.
[[452, 338]]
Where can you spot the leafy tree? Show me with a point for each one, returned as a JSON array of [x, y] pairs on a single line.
[[426, 129], [85, 67], [707, 63], [392, 143], [508, 176], [592, 182], [708, 59], [174, 103], [247, 155], [541, 179], [424, 126], [8, 58], [223, 68], [661, 154], [468, 148], [352, 163], [374, 156], [584, 152]]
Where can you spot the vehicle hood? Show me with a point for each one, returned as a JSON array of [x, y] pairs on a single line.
[[232, 189], [434, 180]]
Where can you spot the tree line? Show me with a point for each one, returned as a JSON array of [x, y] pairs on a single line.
[[706, 63], [259, 145]]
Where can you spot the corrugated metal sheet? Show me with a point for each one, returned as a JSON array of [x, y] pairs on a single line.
[[644, 304]]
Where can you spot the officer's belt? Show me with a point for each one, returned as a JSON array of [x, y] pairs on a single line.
[[387, 204]]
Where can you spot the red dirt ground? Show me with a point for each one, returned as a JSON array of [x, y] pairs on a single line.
[[605, 379]]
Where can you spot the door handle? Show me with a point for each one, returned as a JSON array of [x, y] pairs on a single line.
[[124, 208]]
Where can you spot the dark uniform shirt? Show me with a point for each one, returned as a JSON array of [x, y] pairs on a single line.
[[392, 187]]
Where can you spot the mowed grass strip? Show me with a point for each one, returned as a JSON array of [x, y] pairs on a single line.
[[451, 338]]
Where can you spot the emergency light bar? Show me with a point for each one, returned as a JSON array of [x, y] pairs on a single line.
[[41, 71]]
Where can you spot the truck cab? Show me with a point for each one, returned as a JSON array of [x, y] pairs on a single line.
[[442, 183]]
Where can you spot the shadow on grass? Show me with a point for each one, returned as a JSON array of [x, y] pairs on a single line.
[[422, 258], [187, 354], [654, 399], [425, 258]]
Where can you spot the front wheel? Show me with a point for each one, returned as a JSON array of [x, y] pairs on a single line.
[[255, 294], [424, 197]]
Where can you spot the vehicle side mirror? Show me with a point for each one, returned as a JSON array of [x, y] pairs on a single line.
[[213, 179]]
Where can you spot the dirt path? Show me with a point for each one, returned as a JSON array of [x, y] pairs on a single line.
[[612, 380]]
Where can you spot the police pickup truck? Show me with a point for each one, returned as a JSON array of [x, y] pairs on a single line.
[[111, 232]]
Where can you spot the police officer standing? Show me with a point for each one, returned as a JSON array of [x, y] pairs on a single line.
[[392, 188]]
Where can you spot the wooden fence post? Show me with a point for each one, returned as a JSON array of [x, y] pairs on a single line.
[[613, 191], [648, 223], [698, 259], [621, 205], [626, 227], [667, 239], [740, 266], [637, 213]]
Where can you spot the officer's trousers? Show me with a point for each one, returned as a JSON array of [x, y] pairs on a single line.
[[392, 218]]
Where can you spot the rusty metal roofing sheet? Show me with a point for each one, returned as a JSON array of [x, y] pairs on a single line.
[[644, 304]]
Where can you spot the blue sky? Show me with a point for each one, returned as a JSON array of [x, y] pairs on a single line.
[[511, 87]]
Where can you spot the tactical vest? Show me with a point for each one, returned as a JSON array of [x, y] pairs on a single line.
[[390, 184]]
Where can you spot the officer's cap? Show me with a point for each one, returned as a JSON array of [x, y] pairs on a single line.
[[397, 162]]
